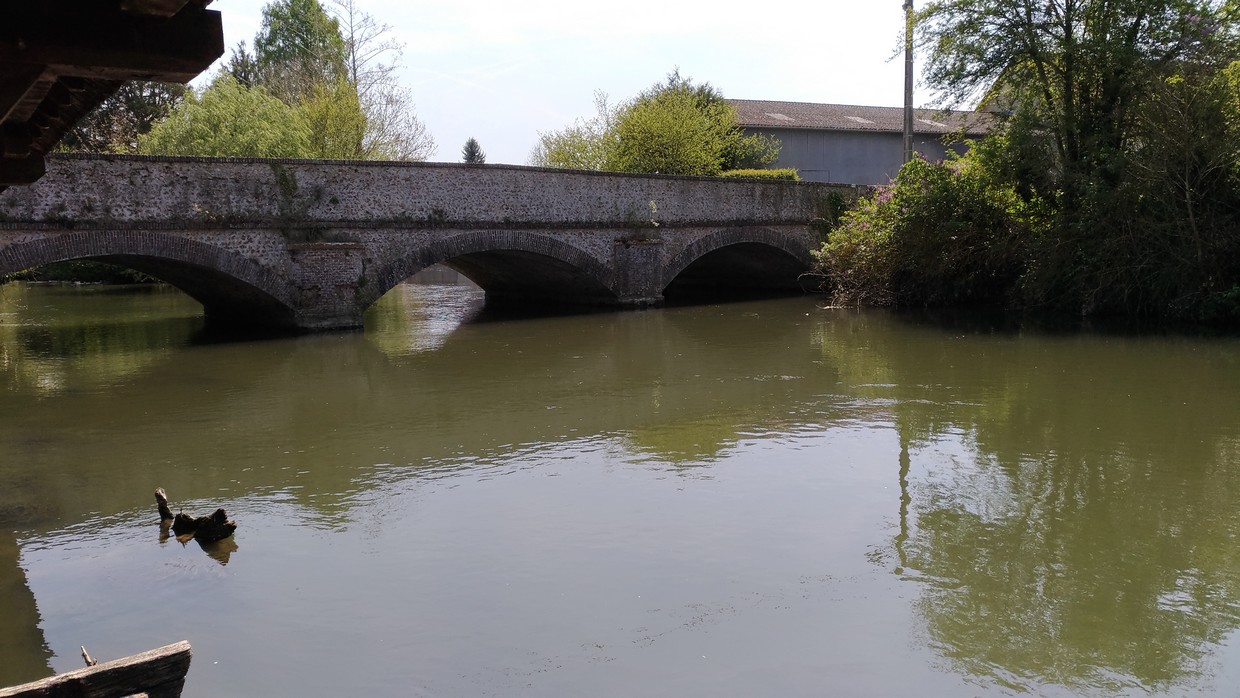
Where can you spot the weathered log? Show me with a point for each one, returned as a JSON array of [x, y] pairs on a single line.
[[161, 500], [159, 673], [205, 529]]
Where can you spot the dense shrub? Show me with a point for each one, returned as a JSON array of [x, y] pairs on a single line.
[[782, 173], [941, 234]]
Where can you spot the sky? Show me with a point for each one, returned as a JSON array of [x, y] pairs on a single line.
[[503, 71]]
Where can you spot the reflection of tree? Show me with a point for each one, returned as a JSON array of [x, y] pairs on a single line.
[[1072, 503], [1077, 572], [55, 343], [24, 654]]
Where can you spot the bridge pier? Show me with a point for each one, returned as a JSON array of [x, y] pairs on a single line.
[[638, 265], [328, 277]]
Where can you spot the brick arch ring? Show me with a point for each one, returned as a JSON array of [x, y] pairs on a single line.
[[146, 244], [793, 245], [447, 249]]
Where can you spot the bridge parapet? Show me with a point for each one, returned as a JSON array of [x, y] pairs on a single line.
[[316, 242], [210, 191]]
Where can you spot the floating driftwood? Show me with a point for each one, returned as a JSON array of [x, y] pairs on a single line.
[[204, 529], [159, 673]]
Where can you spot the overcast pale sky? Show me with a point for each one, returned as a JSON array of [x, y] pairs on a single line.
[[502, 71]]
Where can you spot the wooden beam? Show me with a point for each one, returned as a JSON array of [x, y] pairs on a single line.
[[21, 171], [159, 672], [15, 82], [15, 140], [159, 8], [100, 42]]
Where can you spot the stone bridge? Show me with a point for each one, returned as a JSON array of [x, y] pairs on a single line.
[[309, 245]]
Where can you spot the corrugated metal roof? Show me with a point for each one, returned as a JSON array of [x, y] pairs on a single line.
[[753, 113]]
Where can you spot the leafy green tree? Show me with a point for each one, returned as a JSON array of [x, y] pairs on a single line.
[[472, 153], [1116, 134], [309, 57], [243, 66], [1084, 65], [229, 120], [668, 133], [672, 128], [116, 124], [585, 145], [298, 46], [337, 126]]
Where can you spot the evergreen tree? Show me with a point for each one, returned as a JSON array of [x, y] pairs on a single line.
[[116, 124], [472, 153]]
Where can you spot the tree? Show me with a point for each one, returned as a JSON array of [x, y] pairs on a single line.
[[229, 120], [1115, 135], [472, 153], [298, 45], [667, 133], [1083, 65], [585, 145], [672, 128], [116, 124], [243, 66], [336, 124], [371, 58]]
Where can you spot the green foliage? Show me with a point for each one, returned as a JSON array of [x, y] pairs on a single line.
[[672, 128], [337, 126], [298, 46], [336, 72], [472, 153], [668, 133], [1110, 189], [783, 173], [941, 234], [229, 120], [583, 146]]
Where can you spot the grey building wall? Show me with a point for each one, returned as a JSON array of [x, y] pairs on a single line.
[[849, 157]]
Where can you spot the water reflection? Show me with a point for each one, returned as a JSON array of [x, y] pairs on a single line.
[[1071, 515], [1043, 513]]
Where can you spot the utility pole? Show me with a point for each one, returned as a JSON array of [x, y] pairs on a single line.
[[908, 80]]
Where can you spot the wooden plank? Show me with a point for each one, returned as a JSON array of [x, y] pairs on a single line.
[[159, 673], [159, 8], [15, 82], [107, 43]]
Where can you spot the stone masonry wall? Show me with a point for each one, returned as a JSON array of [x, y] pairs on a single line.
[[325, 239]]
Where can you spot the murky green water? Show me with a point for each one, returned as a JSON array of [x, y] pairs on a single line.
[[750, 499]]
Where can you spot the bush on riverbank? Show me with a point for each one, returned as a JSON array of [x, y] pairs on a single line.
[[979, 230], [941, 234]]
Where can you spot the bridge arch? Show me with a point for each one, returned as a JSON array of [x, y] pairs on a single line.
[[739, 260], [506, 264], [231, 288]]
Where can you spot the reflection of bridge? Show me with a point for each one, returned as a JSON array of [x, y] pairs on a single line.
[[310, 245]]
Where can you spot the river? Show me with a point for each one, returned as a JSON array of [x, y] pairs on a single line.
[[755, 498]]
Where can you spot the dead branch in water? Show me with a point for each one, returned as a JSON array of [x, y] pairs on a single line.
[[204, 529]]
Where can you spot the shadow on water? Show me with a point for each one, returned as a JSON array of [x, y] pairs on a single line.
[[988, 321], [24, 653]]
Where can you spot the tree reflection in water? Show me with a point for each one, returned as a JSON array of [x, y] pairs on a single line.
[[1060, 529]]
